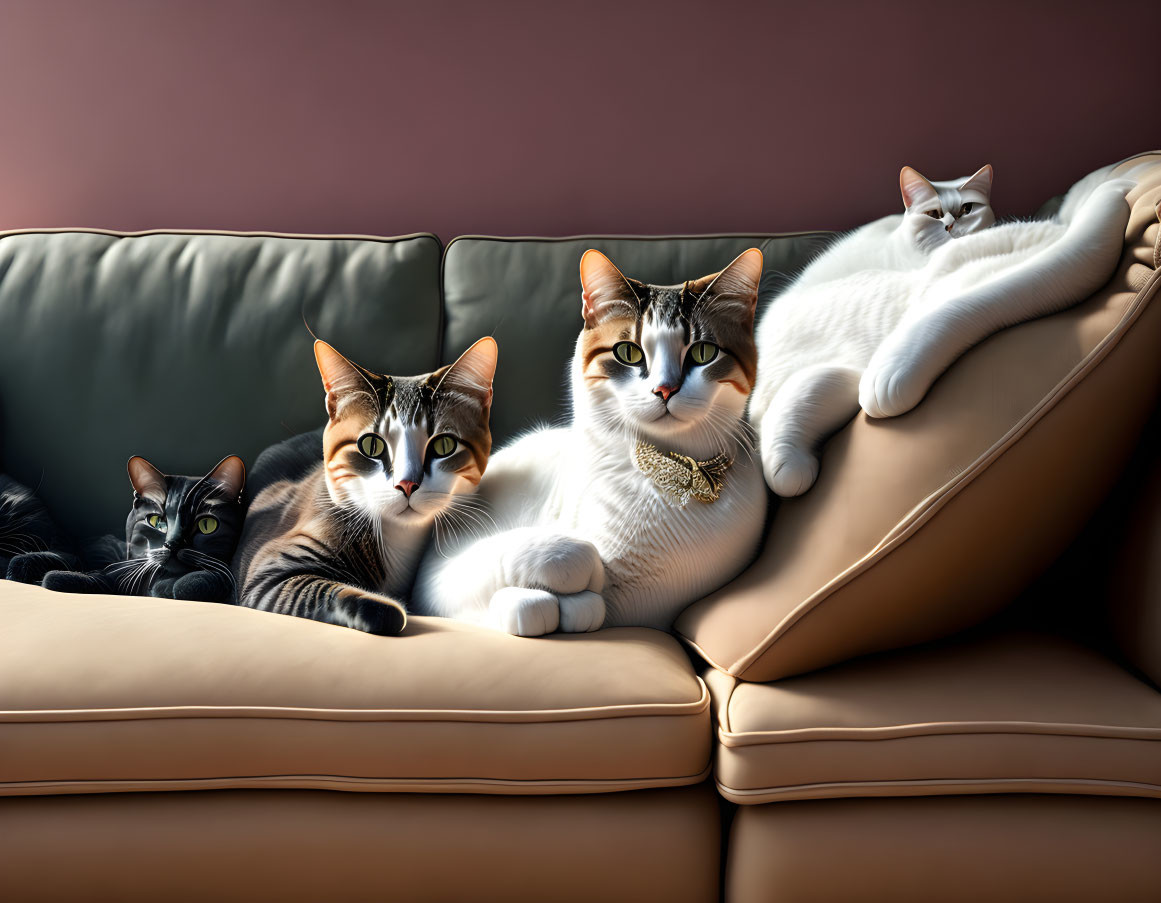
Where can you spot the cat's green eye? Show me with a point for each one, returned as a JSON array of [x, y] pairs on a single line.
[[628, 353], [155, 521], [207, 525], [966, 209], [934, 214], [703, 352], [372, 446], [442, 446]]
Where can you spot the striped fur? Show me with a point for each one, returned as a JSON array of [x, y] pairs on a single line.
[[334, 534]]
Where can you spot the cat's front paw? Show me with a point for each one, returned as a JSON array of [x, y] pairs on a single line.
[[524, 612], [581, 612], [32, 566], [891, 385], [556, 563], [203, 586], [789, 469]]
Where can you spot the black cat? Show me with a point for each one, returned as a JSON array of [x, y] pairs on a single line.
[[179, 538], [31, 543]]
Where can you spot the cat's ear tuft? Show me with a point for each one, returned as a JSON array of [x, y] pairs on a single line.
[[604, 289], [230, 472], [915, 189], [981, 181], [738, 282], [147, 480], [339, 375], [473, 371]]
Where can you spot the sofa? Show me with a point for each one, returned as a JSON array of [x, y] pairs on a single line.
[[938, 680]]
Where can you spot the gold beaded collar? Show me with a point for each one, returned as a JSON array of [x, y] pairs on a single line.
[[680, 478]]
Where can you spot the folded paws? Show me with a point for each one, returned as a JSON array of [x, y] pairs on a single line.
[[535, 612], [554, 562]]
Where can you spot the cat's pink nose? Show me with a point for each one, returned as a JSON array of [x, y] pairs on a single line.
[[407, 487], [665, 391]]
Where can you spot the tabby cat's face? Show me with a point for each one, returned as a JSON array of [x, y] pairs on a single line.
[[403, 448], [937, 212], [182, 524], [667, 362]]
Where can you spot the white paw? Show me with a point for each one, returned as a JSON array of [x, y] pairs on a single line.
[[557, 563], [891, 385], [789, 470], [581, 612], [524, 612]]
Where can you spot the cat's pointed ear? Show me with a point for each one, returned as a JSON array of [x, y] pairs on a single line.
[[339, 376], [230, 473], [737, 283], [605, 290], [915, 189], [147, 480], [981, 181], [740, 280], [473, 370]]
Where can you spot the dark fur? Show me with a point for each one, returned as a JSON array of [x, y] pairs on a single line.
[[177, 563], [31, 543]]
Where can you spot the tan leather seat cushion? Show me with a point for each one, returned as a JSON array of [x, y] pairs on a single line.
[[103, 693], [1001, 714], [925, 524]]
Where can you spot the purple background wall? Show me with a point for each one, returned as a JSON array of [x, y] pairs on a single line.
[[551, 118]]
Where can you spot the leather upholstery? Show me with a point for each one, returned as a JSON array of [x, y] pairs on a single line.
[[1003, 849], [1014, 712], [1132, 578], [922, 525], [101, 693], [243, 846], [186, 347], [526, 293]]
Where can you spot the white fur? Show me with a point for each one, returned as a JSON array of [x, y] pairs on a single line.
[[583, 539], [875, 320]]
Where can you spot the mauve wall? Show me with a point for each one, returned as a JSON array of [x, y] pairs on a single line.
[[552, 117]]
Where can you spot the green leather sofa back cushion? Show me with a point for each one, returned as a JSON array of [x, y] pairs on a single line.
[[187, 347], [526, 293]]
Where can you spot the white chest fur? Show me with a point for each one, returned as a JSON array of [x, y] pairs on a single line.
[[658, 558]]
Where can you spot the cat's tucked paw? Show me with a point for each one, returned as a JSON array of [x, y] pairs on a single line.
[[73, 582], [203, 586], [554, 562], [32, 566], [581, 612], [524, 612], [789, 470], [891, 385]]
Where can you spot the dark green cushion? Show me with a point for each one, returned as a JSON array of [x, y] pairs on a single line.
[[187, 347], [526, 293]]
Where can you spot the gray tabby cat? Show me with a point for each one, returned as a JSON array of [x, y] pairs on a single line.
[[337, 538]]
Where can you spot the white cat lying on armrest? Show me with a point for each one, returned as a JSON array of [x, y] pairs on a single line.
[[875, 320]]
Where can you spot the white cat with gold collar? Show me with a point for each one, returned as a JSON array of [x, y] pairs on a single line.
[[651, 498]]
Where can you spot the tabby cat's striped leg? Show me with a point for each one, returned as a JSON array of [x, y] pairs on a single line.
[[320, 599]]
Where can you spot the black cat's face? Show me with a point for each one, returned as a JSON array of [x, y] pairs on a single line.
[[182, 524]]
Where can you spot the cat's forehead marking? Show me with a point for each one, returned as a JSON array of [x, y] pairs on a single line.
[[413, 402], [668, 306]]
